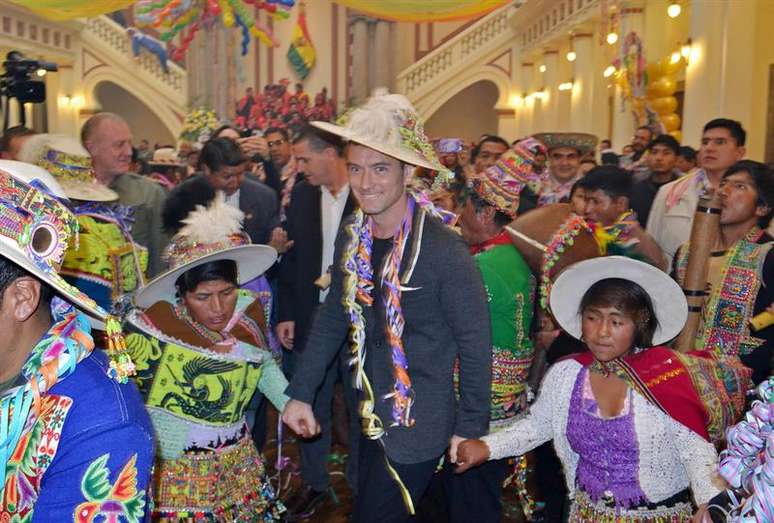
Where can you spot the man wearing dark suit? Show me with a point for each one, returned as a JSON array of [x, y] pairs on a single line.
[[222, 165], [317, 207]]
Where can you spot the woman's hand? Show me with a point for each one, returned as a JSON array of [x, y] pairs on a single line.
[[471, 453]]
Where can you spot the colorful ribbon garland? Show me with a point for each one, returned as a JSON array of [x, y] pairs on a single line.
[[748, 461]]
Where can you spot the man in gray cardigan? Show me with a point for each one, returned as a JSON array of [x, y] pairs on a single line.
[[410, 412]]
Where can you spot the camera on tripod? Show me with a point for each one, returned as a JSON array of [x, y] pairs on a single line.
[[18, 81]]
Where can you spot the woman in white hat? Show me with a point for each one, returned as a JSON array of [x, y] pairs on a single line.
[[633, 426], [201, 350]]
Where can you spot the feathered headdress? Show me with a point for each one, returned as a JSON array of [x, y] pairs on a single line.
[[206, 230]]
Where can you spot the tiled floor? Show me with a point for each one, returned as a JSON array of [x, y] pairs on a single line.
[[331, 512]]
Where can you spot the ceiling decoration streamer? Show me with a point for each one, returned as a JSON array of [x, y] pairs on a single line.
[[425, 11], [185, 17], [69, 9]]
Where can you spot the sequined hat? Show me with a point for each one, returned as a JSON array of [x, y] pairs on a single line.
[[210, 234], [69, 163], [501, 184], [449, 145], [35, 228], [582, 142]]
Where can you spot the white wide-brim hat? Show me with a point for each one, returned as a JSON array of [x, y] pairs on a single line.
[[166, 157], [69, 163], [388, 123], [666, 295], [88, 191], [35, 176], [251, 260]]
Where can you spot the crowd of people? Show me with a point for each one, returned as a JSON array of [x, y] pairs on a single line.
[[276, 106], [470, 316]]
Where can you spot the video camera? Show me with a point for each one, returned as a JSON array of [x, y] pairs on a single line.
[[17, 81]]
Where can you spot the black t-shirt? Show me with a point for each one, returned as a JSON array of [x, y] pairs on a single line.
[[380, 249], [642, 195]]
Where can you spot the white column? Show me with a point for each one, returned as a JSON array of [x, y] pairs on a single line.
[[359, 28], [525, 115], [381, 57], [717, 82], [549, 104], [585, 80]]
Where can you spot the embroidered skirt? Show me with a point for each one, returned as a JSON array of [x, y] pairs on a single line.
[[584, 510], [509, 383], [227, 485]]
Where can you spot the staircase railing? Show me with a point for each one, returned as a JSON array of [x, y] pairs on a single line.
[[113, 37], [491, 31]]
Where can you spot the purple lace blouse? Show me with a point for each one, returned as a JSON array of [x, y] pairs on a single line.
[[608, 464]]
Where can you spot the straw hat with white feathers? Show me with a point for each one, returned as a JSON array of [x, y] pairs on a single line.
[[388, 123]]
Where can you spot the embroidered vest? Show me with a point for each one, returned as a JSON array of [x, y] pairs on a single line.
[[31, 458], [725, 326]]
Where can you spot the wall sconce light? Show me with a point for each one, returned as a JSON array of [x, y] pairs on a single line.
[[612, 37], [542, 68], [685, 49], [609, 71], [674, 10], [676, 57], [571, 55], [72, 102], [566, 86]]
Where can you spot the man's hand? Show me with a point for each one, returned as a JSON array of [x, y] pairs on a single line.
[[253, 145], [453, 443], [286, 331], [299, 417], [279, 240], [702, 515], [471, 453]]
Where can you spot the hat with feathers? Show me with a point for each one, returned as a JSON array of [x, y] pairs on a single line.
[[209, 233]]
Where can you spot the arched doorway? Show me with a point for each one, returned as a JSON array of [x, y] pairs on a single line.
[[143, 122], [468, 114]]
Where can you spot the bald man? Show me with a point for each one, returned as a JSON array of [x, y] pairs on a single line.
[[109, 141]]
